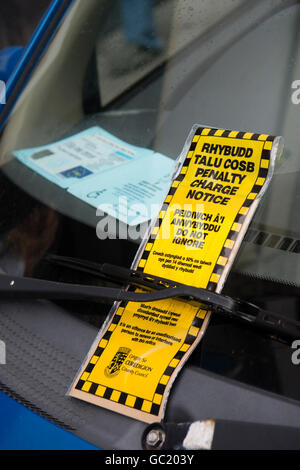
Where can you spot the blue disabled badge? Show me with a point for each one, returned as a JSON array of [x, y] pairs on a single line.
[[76, 172]]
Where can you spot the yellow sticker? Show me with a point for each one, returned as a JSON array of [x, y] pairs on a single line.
[[136, 356]]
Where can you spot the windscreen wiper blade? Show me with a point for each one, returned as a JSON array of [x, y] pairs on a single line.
[[161, 288], [110, 272], [30, 288], [238, 309]]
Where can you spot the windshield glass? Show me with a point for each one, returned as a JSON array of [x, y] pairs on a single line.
[[122, 81]]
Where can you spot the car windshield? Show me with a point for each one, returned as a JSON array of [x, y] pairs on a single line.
[[121, 81]]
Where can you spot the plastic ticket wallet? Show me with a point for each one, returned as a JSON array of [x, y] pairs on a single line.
[[220, 178]]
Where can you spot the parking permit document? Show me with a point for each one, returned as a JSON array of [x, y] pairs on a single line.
[[132, 194], [220, 178], [102, 170]]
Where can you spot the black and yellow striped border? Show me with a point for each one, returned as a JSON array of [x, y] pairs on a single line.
[[237, 224], [153, 407], [148, 406]]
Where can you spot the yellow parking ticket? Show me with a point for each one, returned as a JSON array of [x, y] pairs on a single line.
[[220, 178]]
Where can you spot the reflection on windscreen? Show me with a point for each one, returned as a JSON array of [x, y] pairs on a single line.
[[140, 36]]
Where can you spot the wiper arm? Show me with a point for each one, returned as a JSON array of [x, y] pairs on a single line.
[[161, 288], [237, 309], [30, 288]]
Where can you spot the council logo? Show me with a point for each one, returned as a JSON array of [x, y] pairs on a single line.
[[115, 364]]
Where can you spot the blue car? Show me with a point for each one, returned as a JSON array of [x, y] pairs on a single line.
[[142, 73]]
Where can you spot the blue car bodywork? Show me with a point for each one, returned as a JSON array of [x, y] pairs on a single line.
[[22, 429]]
